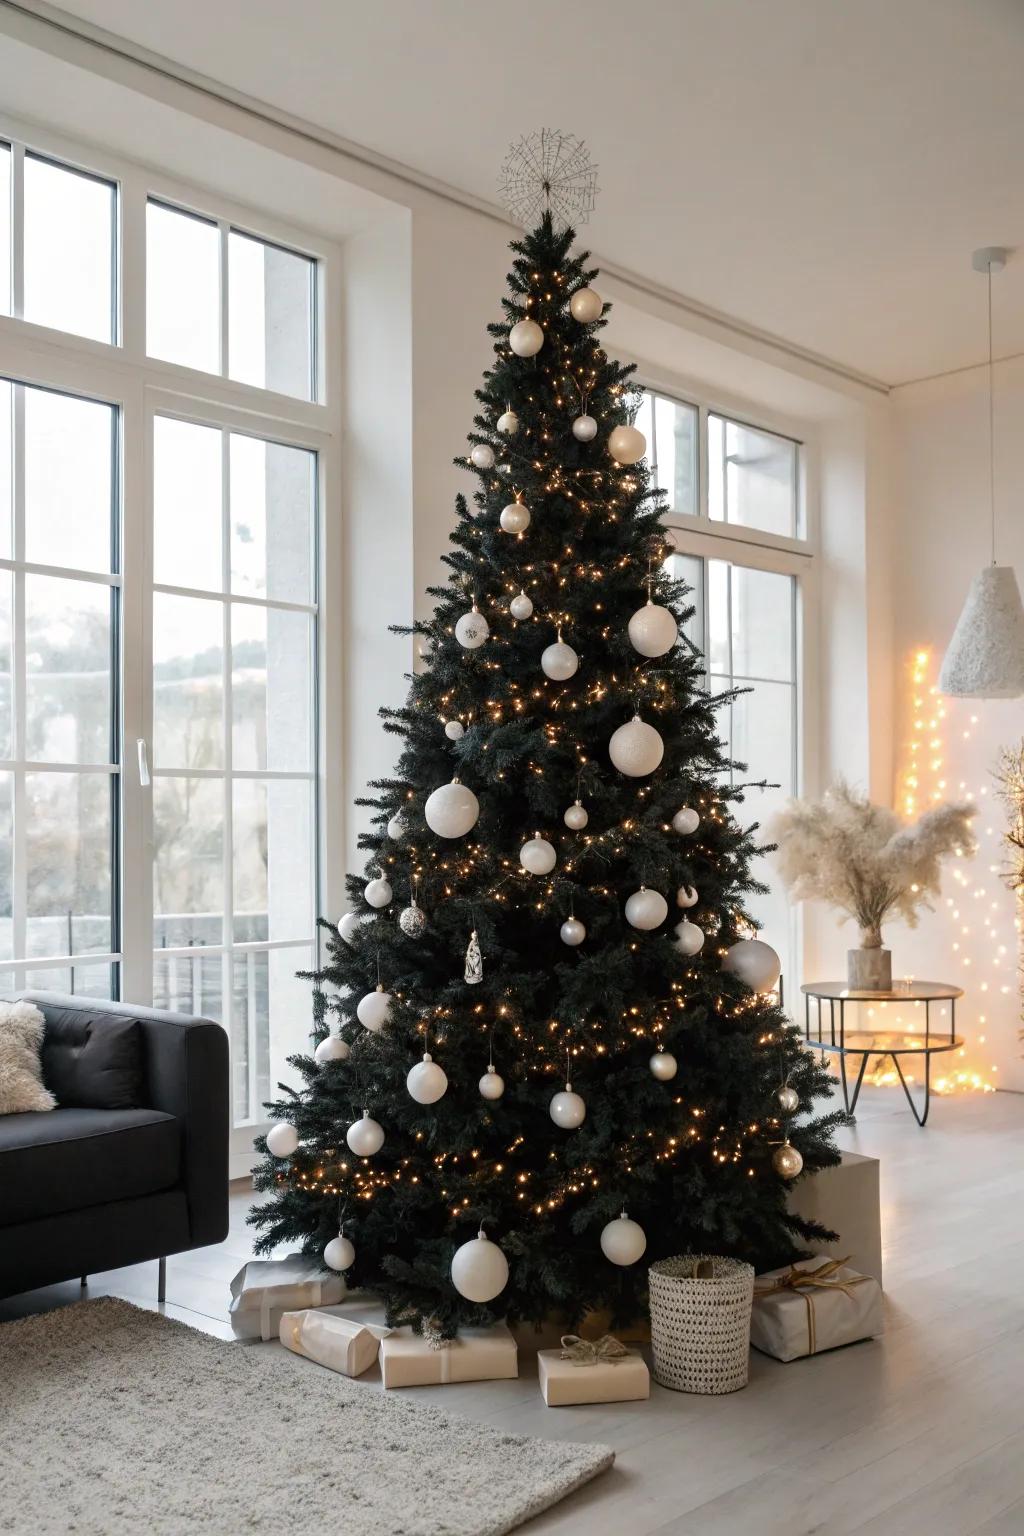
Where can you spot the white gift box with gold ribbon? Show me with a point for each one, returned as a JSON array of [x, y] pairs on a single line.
[[812, 1306], [265, 1288], [408, 1359], [336, 1342], [592, 1371]]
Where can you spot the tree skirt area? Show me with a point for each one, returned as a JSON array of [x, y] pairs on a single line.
[[117, 1420]]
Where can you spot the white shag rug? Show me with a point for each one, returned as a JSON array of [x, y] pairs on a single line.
[[115, 1420]]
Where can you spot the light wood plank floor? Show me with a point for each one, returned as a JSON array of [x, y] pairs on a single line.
[[917, 1434]]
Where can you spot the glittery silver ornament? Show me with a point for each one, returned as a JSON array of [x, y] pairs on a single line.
[[412, 920]]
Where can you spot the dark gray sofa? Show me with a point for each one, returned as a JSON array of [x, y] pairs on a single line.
[[86, 1189]]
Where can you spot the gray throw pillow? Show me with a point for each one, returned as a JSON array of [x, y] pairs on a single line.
[[21, 1078]]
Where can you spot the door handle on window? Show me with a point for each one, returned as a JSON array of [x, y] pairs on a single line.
[[143, 762]]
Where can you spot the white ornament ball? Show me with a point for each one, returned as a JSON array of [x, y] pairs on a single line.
[[515, 518], [282, 1139], [788, 1098], [396, 827], [653, 630], [686, 896], [520, 607], [584, 429], [413, 921], [482, 455], [646, 909], [454, 730], [374, 1010], [636, 748], [452, 810], [479, 1269], [586, 306], [623, 1241], [426, 1082], [567, 1109], [689, 938], [491, 1085], [755, 963], [339, 1253], [526, 338], [627, 445], [685, 821], [577, 816], [559, 661], [365, 1136], [348, 926], [573, 932], [787, 1161], [663, 1066], [537, 856], [378, 892], [331, 1048], [472, 630], [508, 422]]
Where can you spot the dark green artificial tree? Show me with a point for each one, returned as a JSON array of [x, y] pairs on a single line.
[[688, 1153]]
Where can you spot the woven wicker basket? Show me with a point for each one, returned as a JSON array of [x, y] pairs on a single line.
[[700, 1322]]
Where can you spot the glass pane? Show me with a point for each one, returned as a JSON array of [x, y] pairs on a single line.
[[272, 498], [644, 422], [273, 847], [271, 1013], [6, 466], [6, 868], [762, 738], [182, 288], [676, 439], [762, 624], [187, 531], [69, 250], [67, 833], [6, 680], [80, 980], [189, 984], [5, 229], [270, 316], [719, 647], [188, 682], [752, 477], [69, 475], [67, 664], [188, 861], [271, 688], [690, 568]]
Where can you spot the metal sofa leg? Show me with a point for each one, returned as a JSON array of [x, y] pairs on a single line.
[[84, 1282], [161, 1283]]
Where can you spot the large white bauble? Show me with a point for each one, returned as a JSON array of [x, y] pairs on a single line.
[[396, 827], [653, 630], [472, 630], [378, 892], [348, 926], [577, 816], [452, 810], [374, 1010], [491, 1085], [526, 338], [627, 445], [685, 821], [646, 909], [282, 1139], [515, 518], [426, 1082], [482, 455], [521, 606], [663, 1066], [636, 748], [559, 661], [586, 306], [331, 1048], [686, 896], [573, 932], [339, 1253], [584, 429], [623, 1241], [788, 1098], [479, 1269], [755, 963], [508, 422], [689, 938], [567, 1109], [454, 730], [537, 856], [365, 1136], [787, 1161]]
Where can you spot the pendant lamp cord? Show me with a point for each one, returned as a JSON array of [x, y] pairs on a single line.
[[991, 424]]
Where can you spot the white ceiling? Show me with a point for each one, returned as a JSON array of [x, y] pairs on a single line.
[[820, 169]]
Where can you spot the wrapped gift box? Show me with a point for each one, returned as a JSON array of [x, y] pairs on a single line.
[[562, 1381], [336, 1342], [478, 1354], [263, 1289], [814, 1305]]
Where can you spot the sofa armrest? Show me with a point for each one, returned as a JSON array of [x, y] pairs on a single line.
[[186, 1075]]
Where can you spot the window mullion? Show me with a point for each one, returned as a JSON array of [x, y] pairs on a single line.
[[225, 330], [227, 727], [19, 892], [18, 230]]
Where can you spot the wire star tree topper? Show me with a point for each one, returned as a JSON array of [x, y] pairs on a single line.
[[549, 171]]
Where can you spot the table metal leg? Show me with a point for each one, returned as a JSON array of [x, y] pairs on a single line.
[[921, 1119]]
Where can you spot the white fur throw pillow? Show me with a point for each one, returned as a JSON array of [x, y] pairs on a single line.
[[21, 1076]]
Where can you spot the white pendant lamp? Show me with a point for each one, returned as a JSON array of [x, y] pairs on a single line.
[[985, 659]]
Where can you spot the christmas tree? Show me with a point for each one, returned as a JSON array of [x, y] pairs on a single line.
[[537, 1015]]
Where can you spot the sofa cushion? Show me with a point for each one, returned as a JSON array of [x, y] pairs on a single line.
[[21, 1084], [68, 1159], [92, 1059]]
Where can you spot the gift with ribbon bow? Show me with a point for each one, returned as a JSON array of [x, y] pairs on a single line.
[[591, 1352], [814, 1305], [613, 1374]]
